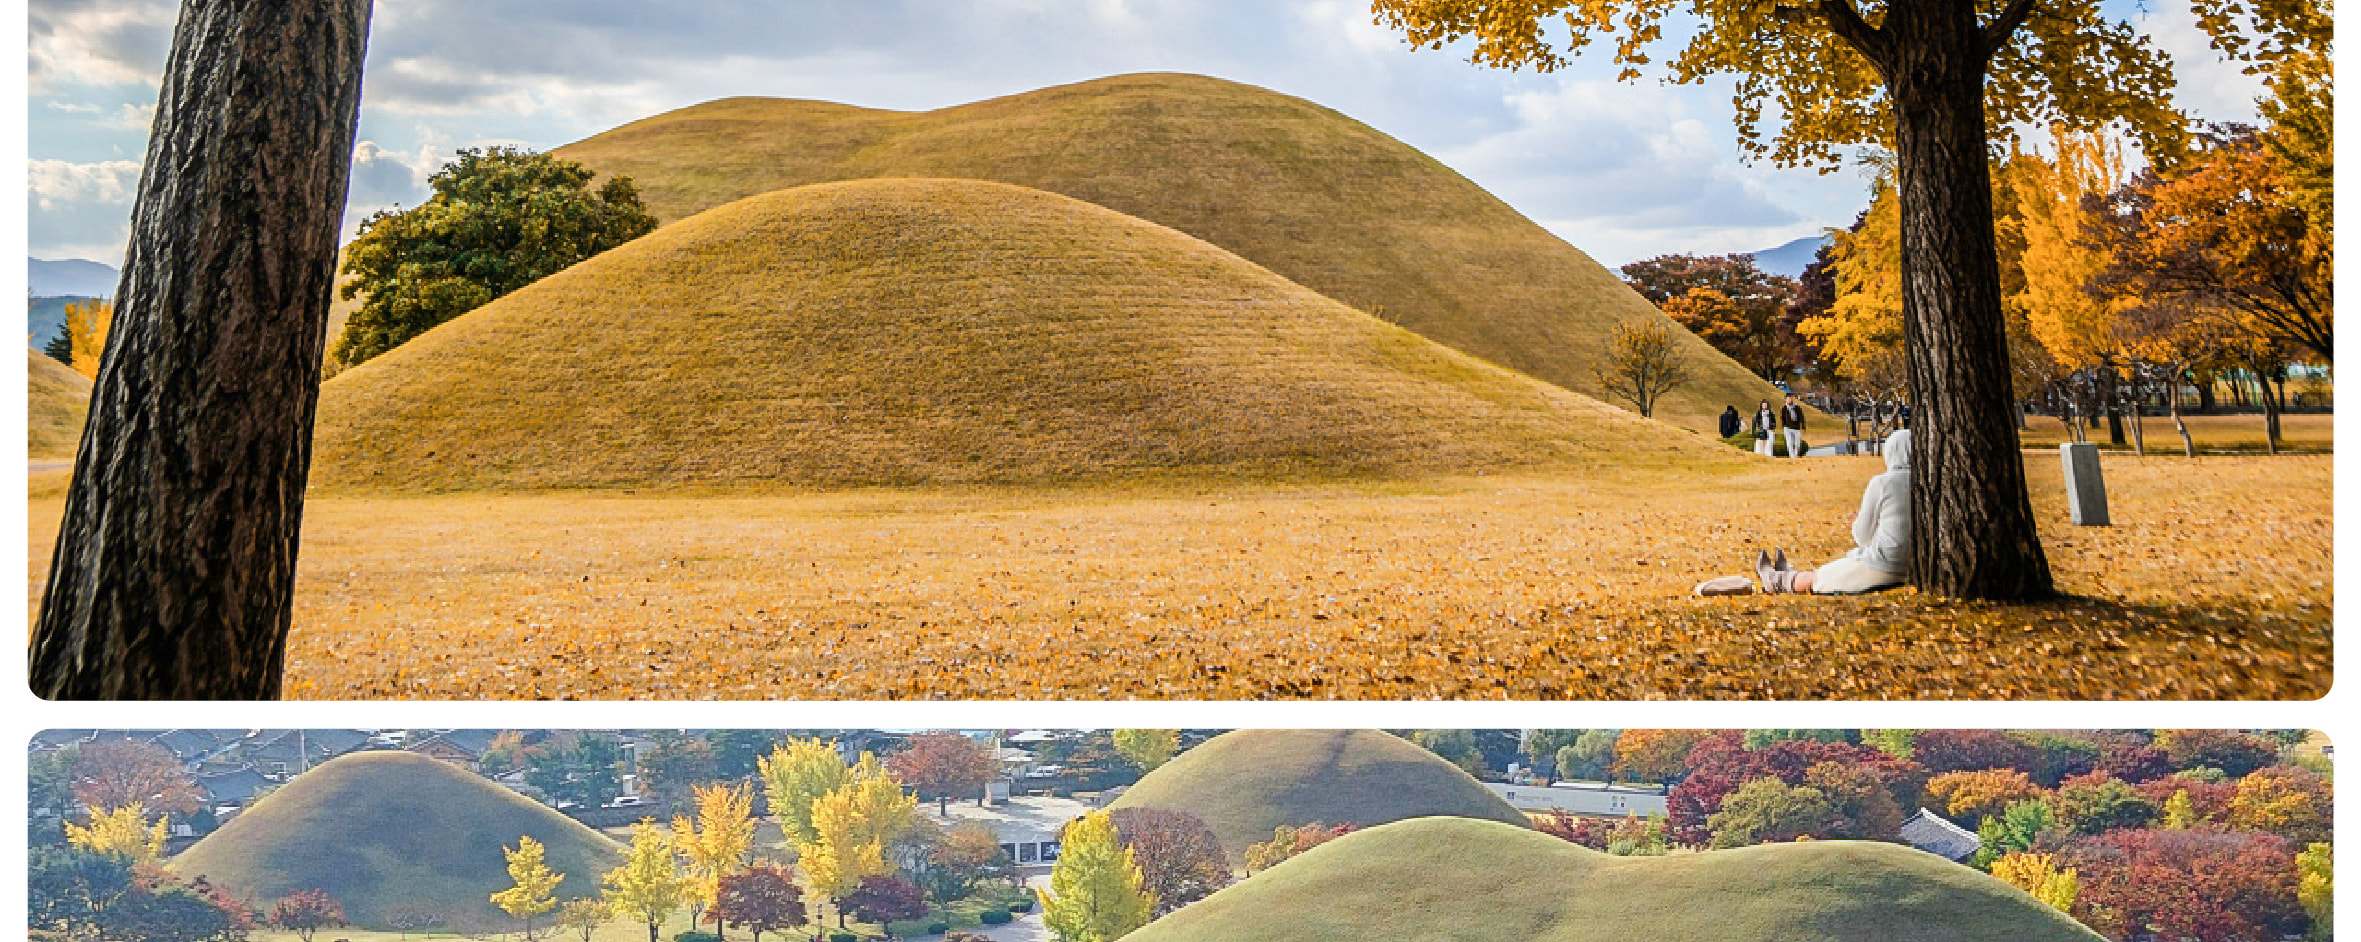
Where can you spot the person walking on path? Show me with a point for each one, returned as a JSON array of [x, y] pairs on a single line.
[[1791, 421], [1764, 422], [1729, 421]]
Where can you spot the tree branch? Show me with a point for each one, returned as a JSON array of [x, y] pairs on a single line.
[[1845, 21], [1997, 33]]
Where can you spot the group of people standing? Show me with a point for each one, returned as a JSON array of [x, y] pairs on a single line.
[[1788, 420]]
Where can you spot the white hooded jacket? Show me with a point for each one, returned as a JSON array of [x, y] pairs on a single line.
[[1881, 531]]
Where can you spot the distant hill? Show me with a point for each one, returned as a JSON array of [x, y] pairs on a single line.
[[57, 402], [377, 830], [1478, 881], [1308, 193], [46, 318], [936, 331], [1790, 259], [73, 276], [1246, 782]]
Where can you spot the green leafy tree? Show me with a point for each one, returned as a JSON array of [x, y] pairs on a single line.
[[499, 219], [2014, 829], [1147, 748], [1924, 78], [1096, 893], [1768, 810], [794, 776]]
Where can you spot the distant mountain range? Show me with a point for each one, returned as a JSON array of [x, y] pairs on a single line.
[[73, 277], [1790, 259], [56, 283]]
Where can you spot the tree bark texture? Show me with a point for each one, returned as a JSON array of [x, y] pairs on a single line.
[[1973, 532], [175, 566]]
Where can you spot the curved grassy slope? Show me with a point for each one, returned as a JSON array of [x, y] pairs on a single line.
[[57, 403], [1318, 197], [1476, 881], [384, 829], [933, 331], [1246, 782]]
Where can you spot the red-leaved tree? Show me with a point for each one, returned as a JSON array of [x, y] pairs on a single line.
[[2203, 885], [759, 899], [884, 899], [943, 766], [1180, 859], [304, 912]]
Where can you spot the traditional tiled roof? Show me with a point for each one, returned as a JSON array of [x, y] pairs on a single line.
[[1935, 834]]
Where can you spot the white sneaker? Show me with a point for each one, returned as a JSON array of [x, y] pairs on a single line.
[[1726, 585]]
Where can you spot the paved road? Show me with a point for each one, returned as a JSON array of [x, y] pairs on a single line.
[[36, 467]]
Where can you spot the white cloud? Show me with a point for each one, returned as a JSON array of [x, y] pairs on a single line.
[[53, 183], [97, 42]]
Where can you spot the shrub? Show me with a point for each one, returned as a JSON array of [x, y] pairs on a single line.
[[697, 935], [1021, 906], [937, 928], [994, 917], [843, 937]]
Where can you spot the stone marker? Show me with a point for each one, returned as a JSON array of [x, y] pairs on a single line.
[[2086, 493]]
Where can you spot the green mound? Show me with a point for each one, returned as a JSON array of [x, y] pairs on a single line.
[[57, 403], [1453, 878], [935, 331], [383, 831], [1315, 196], [1246, 782]]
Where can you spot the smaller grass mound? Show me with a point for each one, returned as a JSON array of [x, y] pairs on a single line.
[[379, 831], [1477, 881], [57, 403], [1246, 782]]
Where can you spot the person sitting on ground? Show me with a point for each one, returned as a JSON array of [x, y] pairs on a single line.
[[1881, 534], [1730, 421]]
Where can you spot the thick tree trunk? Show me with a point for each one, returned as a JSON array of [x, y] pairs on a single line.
[[1973, 533], [175, 565]]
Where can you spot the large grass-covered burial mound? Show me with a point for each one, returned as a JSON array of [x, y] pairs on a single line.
[[1477, 881], [936, 331], [385, 830], [1311, 194], [57, 400], [1246, 782]]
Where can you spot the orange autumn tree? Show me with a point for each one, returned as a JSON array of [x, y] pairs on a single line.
[[1926, 79], [2224, 237], [2059, 269], [1655, 755], [1971, 796]]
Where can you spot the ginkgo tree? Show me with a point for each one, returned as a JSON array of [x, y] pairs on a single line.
[[1927, 79]]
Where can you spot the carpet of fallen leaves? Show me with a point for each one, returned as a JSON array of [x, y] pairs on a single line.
[[2215, 583]]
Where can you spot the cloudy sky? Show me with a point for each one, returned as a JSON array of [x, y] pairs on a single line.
[[1623, 170]]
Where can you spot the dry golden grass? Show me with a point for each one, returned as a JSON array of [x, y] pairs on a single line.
[[1311, 194], [2216, 434], [2216, 583], [875, 332], [57, 400]]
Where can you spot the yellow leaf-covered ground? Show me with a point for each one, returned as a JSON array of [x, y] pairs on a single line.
[[2216, 583]]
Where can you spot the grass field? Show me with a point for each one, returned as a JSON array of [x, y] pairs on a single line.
[[57, 400], [1479, 881], [2215, 583], [1245, 782]]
